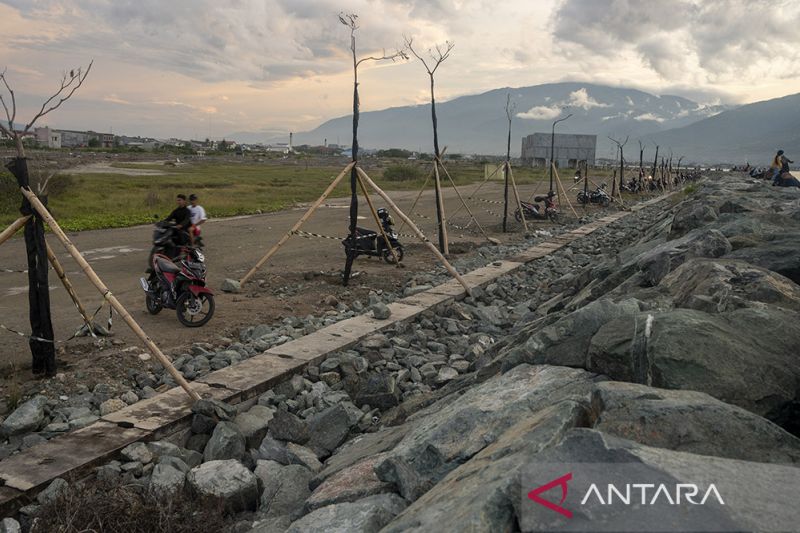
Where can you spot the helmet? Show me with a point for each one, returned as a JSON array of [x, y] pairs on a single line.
[[382, 212]]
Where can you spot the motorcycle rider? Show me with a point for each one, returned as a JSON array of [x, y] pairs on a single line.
[[181, 218]]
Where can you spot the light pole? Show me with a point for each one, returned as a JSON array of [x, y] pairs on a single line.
[[552, 146]]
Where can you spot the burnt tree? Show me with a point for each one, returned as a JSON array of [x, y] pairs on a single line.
[[41, 341], [437, 55], [351, 21], [510, 108]]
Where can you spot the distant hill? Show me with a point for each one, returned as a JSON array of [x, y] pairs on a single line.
[[477, 123], [750, 133]]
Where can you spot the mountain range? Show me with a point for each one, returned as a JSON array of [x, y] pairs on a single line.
[[478, 123]]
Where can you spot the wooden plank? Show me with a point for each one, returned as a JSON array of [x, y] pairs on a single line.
[[165, 412], [254, 376], [70, 454]]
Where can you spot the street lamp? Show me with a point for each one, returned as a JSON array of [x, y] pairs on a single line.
[[552, 145]]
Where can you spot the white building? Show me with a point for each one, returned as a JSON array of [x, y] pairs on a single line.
[[47, 137]]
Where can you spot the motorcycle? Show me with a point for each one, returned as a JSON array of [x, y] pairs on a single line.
[[535, 212], [181, 285], [371, 243], [597, 196]]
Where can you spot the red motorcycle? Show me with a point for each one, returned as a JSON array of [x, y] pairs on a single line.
[[536, 212], [179, 284]]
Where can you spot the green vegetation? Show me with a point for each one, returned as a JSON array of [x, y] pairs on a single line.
[[226, 188], [403, 172]]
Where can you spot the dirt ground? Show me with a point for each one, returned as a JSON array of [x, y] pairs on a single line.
[[299, 280]]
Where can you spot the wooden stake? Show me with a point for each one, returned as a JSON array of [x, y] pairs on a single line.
[[62, 275], [443, 222], [516, 196], [453, 183], [299, 223], [112, 300], [416, 230], [377, 220], [560, 186], [13, 228]]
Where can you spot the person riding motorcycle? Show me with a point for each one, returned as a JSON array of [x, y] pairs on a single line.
[[181, 218]]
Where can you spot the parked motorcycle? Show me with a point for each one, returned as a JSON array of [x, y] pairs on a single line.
[[533, 211], [371, 243], [179, 284], [597, 196]]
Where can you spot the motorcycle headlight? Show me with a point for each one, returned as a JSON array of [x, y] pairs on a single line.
[[200, 257]]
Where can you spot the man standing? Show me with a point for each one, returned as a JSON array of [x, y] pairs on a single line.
[[198, 217]]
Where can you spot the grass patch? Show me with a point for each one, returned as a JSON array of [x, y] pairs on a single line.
[[226, 188]]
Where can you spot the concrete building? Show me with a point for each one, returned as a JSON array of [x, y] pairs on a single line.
[[568, 149], [47, 137]]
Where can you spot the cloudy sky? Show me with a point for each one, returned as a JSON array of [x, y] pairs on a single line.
[[206, 68]]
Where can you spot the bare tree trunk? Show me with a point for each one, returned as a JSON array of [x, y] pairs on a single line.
[[655, 163], [621, 168], [351, 249], [509, 116], [437, 184]]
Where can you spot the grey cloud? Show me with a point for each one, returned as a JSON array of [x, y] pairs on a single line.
[[681, 38], [251, 40]]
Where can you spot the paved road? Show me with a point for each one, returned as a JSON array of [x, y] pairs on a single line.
[[233, 246]]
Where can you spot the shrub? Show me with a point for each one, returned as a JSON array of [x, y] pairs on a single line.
[[112, 506], [402, 173]]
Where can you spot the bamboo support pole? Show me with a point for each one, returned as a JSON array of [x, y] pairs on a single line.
[[443, 229], [377, 220], [463, 203], [416, 230], [299, 223], [516, 197], [561, 186], [481, 184], [62, 275], [112, 300], [13, 228], [422, 189]]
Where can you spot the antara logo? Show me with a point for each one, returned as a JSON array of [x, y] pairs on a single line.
[[628, 494]]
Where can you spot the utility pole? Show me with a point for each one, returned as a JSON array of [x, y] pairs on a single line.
[[552, 147]]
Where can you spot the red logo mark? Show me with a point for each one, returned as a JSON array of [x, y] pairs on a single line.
[[558, 482]]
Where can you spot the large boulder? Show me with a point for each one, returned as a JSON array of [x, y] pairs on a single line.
[[780, 253], [691, 215], [286, 426], [228, 480], [664, 258], [478, 495], [755, 496], [253, 424], [716, 285], [26, 418], [227, 442], [285, 488], [369, 515], [167, 480], [566, 341], [452, 430], [329, 428], [348, 485], [727, 355], [690, 421]]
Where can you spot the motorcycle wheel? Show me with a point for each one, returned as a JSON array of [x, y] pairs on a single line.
[[153, 306], [581, 198], [517, 216], [194, 311], [387, 255], [606, 201], [553, 216]]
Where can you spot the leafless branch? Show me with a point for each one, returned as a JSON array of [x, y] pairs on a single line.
[[438, 54], [70, 82], [351, 21], [510, 107], [10, 115]]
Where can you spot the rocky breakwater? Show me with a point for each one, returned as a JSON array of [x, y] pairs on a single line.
[[667, 339]]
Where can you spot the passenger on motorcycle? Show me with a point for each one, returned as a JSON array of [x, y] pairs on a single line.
[[198, 217]]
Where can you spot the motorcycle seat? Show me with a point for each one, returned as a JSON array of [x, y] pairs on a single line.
[[167, 266], [540, 199]]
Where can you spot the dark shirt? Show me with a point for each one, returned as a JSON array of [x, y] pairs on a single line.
[[785, 163], [181, 216]]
